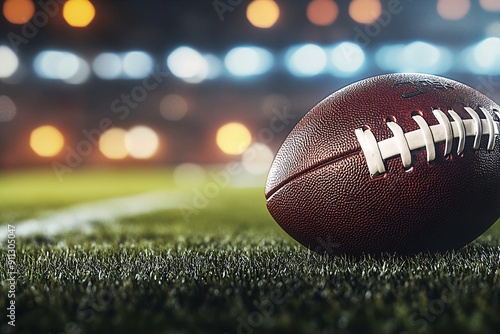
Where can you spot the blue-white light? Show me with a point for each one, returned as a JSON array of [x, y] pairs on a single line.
[[307, 60], [248, 61], [107, 66], [137, 64], [9, 62], [415, 57], [424, 57], [486, 56], [61, 65], [188, 64], [81, 75], [214, 66], [389, 58], [346, 59]]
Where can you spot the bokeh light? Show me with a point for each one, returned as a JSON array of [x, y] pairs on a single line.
[[142, 142], [490, 5], [306, 60], [81, 75], [453, 9], [485, 56], [78, 13], [46, 141], [112, 144], [9, 62], [213, 67], [107, 65], [137, 64], [263, 13], [436, 60], [189, 175], [173, 107], [365, 11], [61, 65], [247, 61], [8, 109], [407, 58], [188, 64], [347, 58], [18, 11], [322, 12], [233, 138], [257, 159], [274, 104], [388, 57]]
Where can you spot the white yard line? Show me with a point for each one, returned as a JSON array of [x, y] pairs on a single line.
[[82, 216]]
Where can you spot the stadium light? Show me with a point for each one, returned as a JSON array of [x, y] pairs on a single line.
[[248, 61], [426, 58], [263, 13], [46, 141], [18, 11], [112, 144], [417, 56], [10, 62], [306, 60], [61, 65], [365, 11], [107, 66], [485, 56], [188, 64], [78, 13], [233, 138], [346, 59], [388, 57], [322, 12], [453, 9], [8, 109], [173, 107], [141, 142], [137, 64]]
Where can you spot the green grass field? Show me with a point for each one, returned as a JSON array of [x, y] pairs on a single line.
[[224, 267]]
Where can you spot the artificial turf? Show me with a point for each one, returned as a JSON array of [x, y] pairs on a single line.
[[228, 268]]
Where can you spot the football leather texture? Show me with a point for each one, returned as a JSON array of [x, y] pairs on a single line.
[[398, 163]]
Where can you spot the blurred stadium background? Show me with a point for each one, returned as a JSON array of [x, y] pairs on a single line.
[[96, 83]]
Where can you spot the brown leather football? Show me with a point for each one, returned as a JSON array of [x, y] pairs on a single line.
[[400, 163]]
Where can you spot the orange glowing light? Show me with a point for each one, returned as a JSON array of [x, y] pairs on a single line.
[[18, 11], [233, 138], [322, 12], [365, 11], [46, 141], [112, 144], [453, 9], [490, 5], [263, 13], [78, 13]]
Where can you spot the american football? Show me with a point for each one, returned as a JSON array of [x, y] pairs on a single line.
[[400, 163]]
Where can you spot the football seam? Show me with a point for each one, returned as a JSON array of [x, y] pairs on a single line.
[[313, 167], [402, 144]]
